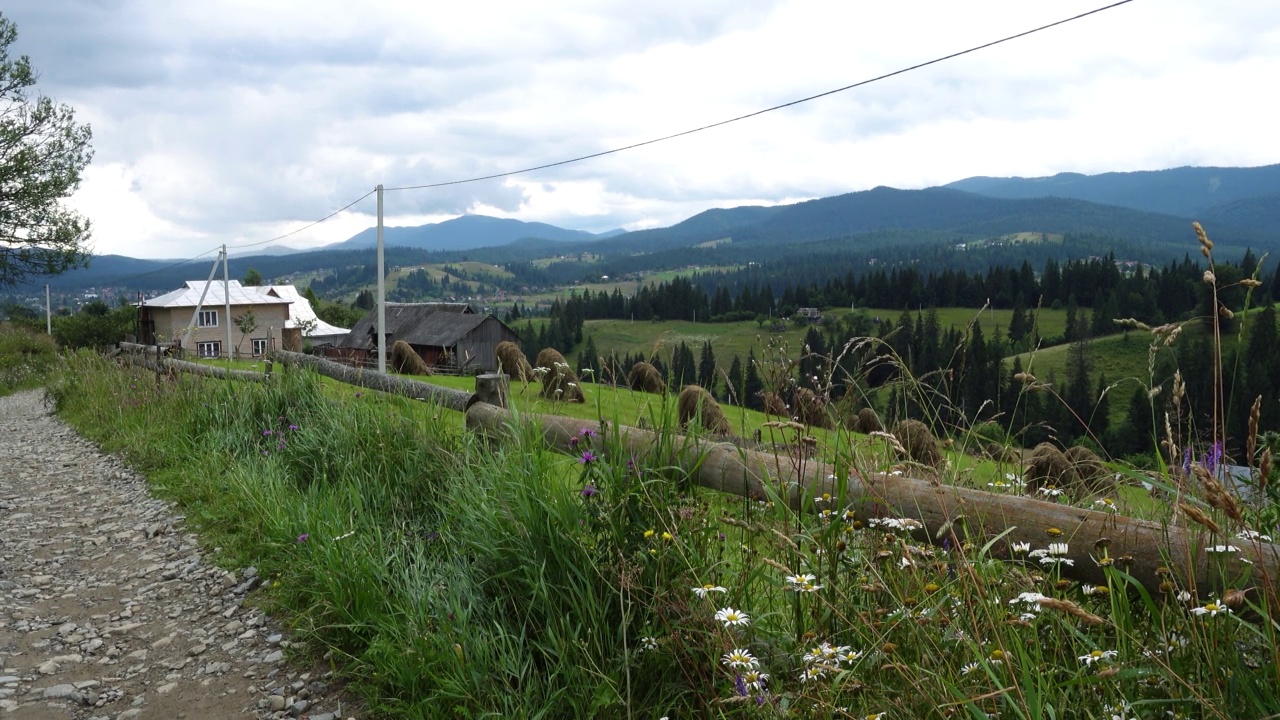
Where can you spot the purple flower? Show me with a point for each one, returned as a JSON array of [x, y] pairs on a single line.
[[740, 685], [1186, 461], [587, 458], [573, 442], [266, 433], [303, 538], [293, 427], [587, 432], [590, 490]]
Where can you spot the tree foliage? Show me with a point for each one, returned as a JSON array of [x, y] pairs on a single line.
[[42, 153]]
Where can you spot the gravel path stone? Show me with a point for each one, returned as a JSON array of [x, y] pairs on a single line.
[[109, 610]]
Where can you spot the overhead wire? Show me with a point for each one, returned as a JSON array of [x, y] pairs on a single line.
[[307, 226], [739, 118]]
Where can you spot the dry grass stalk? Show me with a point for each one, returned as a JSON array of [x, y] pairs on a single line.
[[695, 403], [1072, 609], [1198, 515], [511, 360], [559, 382], [644, 377], [405, 360]]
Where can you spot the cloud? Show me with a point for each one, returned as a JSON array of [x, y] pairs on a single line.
[[236, 121]]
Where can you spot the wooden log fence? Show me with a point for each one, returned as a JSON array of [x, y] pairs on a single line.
[[1093, 538], [146, 356], [374, 380]]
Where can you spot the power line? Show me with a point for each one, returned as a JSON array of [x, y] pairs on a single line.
[[310, 225], [166, 267], [766, 110]]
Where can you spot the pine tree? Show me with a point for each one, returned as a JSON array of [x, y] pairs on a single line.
[[707, 368]]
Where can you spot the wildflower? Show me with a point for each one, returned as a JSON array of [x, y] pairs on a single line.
[[293, 427], [648, 534], [1058, 548], [1253, 536], [667, 536], [1211, 609], [1028, 598], [1050, 490], [587, 432], [755, 679], [731, 617], [740, 658], [1095, 590], [1097, 655], [266, 433], [587, 458], [707, 589], [590, 490], [1184, 596], [810, 674], [1222, 549], [648, 644], [848, 655], [969, 668], [803, 583], [823, 653], [303, 538], [1106, 504], [1022, 548], [345, 535]]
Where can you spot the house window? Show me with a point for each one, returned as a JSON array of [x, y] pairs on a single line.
[[259, 346], [208, 318], [209, 349]]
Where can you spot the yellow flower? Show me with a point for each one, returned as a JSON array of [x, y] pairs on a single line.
[[648, 534], [667, 536]]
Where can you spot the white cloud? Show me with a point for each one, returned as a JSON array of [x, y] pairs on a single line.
[[238, 121]]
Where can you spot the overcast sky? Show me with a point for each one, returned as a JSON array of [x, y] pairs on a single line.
[[232, 122]]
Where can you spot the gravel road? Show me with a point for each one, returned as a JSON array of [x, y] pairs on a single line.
[[110, 609]]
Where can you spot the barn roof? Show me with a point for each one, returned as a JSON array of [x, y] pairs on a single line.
[[189, 295], [434, 324]]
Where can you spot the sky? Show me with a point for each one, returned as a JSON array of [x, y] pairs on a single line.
[[220, 122]]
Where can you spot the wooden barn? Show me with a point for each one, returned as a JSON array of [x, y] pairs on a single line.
[[446, 335]]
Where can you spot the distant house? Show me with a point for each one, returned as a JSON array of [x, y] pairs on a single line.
[[164, 319], [809, 314], [443, 334], [302, 316]]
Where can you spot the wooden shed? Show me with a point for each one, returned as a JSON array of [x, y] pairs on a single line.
[[443, 335]]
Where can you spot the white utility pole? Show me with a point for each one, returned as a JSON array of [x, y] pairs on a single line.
[[382, 293], [48, 311], [226, 295]]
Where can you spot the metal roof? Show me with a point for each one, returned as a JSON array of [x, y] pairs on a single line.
[[189, 295], [301, 311]]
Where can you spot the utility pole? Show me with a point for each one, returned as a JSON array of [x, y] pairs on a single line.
[[48, 311], [382, 293], [226, 296]]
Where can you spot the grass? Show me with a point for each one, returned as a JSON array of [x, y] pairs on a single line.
[[26, 358], [450, 578]]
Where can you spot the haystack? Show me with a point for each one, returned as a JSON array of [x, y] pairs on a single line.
[[1047, 466], [774, 406], [695, 403], [920, 444], [1000, 452], [406, 361], [644, 377], [511, 360], [1088, 473], [559, 382], [810, 409], [868, 422]]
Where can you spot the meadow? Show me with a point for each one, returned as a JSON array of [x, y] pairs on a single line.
[[449, 577]]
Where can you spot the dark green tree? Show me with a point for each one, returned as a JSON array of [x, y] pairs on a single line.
[[42, 153], [734, 391], [707, 368], [252, 278], [752, 385], [364, 300]]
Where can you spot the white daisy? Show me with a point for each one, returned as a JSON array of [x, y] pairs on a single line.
[[707, 589], [1098, 655], [731, 617], [740, 658]]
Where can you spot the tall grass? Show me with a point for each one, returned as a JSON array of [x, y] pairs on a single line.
[[453, 578], [26, 358]]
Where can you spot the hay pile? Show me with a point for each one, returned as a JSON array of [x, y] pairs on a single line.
[[868, 422], [559, 382], [511, 360], [810, 409], [1089, 475], [920, 444], [644, 377], [406, 361], [774, 406], [695, 403], [1000, 453], [1047, 466]]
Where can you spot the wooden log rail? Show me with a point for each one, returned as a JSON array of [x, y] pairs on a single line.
[[374, 380], [145, 356], [1138, 547]]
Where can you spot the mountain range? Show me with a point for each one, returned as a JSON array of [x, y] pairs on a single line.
[[1239, 206]]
